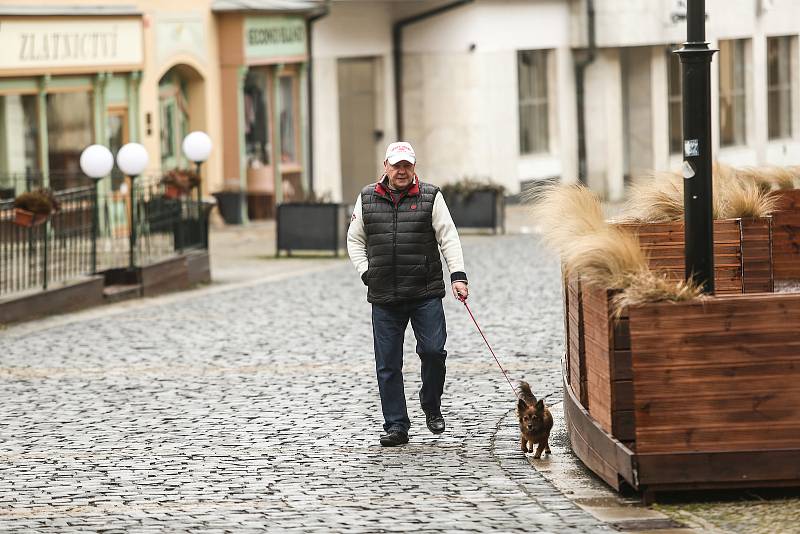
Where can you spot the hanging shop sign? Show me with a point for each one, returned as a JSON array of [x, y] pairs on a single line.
[[277, 38], [29, 44]]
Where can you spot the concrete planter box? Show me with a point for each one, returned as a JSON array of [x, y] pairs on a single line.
[[480, 209], [310, 227]]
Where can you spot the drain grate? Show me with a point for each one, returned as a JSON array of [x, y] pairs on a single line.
[[645, 524]]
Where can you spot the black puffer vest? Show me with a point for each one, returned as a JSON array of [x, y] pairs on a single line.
[[404, 261]]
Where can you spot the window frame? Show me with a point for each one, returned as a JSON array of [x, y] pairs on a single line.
[[537, 103], [735, 97]]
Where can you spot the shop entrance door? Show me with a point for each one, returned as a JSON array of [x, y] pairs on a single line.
[[359, 134]]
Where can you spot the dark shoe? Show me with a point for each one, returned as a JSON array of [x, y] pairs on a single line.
[[435, 422], [394, 438]]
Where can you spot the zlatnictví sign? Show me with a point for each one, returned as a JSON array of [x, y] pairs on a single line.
[[54, 44]]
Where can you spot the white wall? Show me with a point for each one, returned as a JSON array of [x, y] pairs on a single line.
[[352, 29], [460, 90]]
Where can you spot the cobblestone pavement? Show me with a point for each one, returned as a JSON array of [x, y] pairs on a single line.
[[256, 409]]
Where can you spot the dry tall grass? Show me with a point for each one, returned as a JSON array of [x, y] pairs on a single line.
[[602, 255], [658, 196]]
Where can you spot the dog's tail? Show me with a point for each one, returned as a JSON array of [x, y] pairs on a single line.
[[525, 392]]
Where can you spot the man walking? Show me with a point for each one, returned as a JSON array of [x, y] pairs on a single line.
[[398, 226]]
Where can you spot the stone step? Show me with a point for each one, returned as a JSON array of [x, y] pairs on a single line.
[[120, 292]]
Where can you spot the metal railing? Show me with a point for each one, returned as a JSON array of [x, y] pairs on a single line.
[[72, 244]]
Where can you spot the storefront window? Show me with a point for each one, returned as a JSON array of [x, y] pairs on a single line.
[[19, 135], [256, 126], [69, 130], [288, 141]]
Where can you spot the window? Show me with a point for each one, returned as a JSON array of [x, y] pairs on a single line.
[[19, 134], [533, 109], [70, 129], [732, 93], [256, 125], [675, 87], [779, 87], [287, 117]]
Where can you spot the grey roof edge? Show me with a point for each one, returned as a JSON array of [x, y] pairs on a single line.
[[288, 6], [68, 10]]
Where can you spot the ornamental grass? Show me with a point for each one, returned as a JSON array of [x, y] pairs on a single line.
[[657, 197], [603, 255]]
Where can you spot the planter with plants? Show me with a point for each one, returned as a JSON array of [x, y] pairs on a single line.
[[665, 388], [34, 207], [742, 227], [314, 224], [179, 182], [476, 204]]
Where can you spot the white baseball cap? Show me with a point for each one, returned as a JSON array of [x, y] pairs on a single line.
[[400, 151]]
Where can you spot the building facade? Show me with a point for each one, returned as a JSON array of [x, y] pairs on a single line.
[[490, 89], [311, 91]]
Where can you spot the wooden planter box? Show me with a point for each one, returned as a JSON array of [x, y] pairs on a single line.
[[690, 395], [742, 252], [302, 226], [479, 209], [786, 236]]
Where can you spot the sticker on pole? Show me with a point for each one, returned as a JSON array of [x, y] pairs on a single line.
[[691, 148], [688, 170]]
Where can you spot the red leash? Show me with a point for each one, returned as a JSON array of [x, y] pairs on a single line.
[[487, 344]]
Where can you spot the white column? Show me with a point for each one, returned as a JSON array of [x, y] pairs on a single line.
[[757, 130], [659, 85], [567, 114], [604, 129]]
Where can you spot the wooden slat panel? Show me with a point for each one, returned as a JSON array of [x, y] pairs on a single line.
[[786, 245], [757, 274], [722, 375], [750, 466], [576, 341], [607, 457], [788, 199], [664, 244], [598, 367]]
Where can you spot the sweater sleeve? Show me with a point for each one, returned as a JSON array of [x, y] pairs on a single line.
[[447, 236], [357, 241]]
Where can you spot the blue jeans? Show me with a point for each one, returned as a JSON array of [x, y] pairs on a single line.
[[388, 330]]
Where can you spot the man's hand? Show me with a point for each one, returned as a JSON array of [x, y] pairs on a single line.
[[460, 291]]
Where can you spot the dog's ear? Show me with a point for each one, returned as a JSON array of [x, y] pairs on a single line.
[[521, 406], [540, 405]]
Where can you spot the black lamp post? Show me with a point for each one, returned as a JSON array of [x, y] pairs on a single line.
[[132, 160], [197, 147], [96, 163], [697, 185]]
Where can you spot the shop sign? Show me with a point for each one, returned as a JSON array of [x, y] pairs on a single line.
[[26, 44], [274, 37]]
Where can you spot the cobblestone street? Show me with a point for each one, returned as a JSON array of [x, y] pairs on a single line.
[[256, 408]]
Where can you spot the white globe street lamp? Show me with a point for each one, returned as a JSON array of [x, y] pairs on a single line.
[[96, 162], [197, 147], [132, 160]]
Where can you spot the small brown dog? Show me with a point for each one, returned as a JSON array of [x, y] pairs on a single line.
[[535, 422]]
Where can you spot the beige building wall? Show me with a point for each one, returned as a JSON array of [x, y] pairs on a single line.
[[178, 32]]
